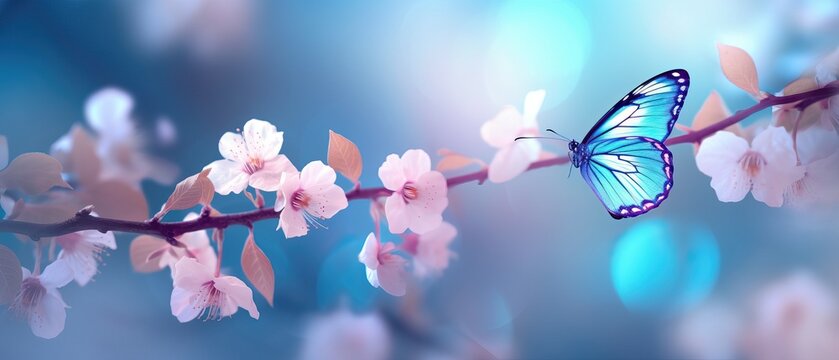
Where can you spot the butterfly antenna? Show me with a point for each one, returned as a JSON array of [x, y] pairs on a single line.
[[538, 137], [563, 137]]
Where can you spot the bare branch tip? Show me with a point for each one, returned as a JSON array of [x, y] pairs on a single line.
[[85, 211]]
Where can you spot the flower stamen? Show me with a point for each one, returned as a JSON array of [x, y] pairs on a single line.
[[30, 295], [752, 162], [253, 165], [299, 200], [409, 192], [210, 300]]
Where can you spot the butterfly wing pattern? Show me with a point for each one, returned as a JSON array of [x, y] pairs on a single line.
[[623, 157]]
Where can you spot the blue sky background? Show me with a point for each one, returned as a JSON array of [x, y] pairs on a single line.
[[538, 258]]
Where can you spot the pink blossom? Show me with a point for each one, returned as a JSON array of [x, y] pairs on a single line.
[[120, 146], [384, 268], [197, 292], [419, 194], [39, 301], [431, 249], [308, 196], [81, 252], [208, 30], [711, 331], [197, 243], [513, 157], [817, 151], [343, 335], [250, 158], [767, 168], [795, 318]]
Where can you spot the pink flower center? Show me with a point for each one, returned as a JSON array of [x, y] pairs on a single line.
[[30, 295], [69, 241], [752, 162], [410, 242], [800, 189], [409, 192], [299, 200], [253, 165], [210, 301]]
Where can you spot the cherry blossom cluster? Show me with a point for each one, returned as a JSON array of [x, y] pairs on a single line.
[[89, 187], [793, 158]]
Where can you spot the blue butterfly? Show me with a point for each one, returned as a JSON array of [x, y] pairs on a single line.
[[623, 157]]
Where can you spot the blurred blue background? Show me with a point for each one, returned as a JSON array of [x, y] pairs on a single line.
[[542, 271]]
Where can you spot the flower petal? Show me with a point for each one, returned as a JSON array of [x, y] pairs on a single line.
[[240, 293], [433, 252], [327, 202], [532, 104], [502, 130], [289, 183], [396, 212], [315, 176], [391, 173], [227, 176], [780, 171], [415, 162], [268, 178], [190, 275], [262, 139], [97, 238], [108, 111], [513, 160], [718, 157], [373, 277], [81, 261], [56, 275], [369, 255], [232, 147], [48, 317], [293, 223], [425, 212], [392, 275], [181, 304]]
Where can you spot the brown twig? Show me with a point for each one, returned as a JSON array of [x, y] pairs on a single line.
[[83, 220]]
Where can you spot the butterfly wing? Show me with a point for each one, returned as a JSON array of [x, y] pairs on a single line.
[[650, 110], [624, 158], [630, 175]]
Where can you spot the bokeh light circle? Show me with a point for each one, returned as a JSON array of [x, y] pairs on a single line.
[[658, 265], [537, 45]]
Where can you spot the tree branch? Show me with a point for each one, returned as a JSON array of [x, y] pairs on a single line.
[[83, 220], [810, 97]]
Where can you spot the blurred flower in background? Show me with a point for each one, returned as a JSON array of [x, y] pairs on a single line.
[[208, 29], [345, 335]]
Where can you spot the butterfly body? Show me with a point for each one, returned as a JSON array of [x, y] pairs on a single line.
[[623, 157]]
